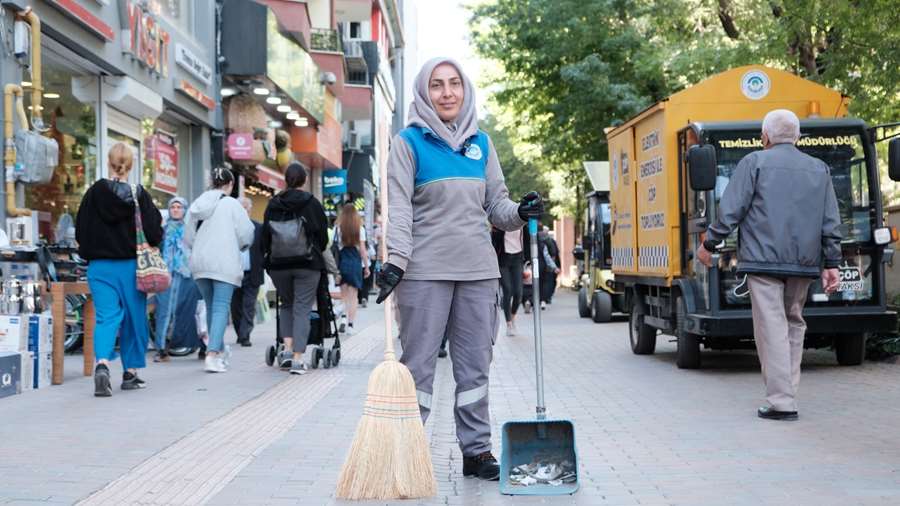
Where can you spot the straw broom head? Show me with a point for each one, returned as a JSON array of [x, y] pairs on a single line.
[[389, 457]]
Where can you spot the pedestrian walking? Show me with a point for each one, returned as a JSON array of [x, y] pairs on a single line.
[[353, 261], [550, 256], [294, 238], [217, 230], [243, 301], [444, 171], [510, 257], [176, 256], [107, 238], [781, 250]]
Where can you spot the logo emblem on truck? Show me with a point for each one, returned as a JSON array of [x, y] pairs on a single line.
[[755, 84]]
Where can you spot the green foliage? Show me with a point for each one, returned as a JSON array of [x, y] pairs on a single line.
[[521, 176], [566, 69]]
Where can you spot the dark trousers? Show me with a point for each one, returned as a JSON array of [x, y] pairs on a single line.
[[548, 286], [511, 283], [243, 308], [363, 293]]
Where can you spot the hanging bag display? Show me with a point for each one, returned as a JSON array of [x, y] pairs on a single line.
[[152, 273]]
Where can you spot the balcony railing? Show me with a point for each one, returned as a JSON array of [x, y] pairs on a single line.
[[322, 39], [353, 48]]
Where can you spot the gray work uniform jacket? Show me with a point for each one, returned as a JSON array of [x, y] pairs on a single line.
[[784, 203]]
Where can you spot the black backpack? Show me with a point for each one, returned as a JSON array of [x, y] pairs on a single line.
[[290, 238]]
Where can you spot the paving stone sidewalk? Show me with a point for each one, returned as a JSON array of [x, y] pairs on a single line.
[[647, 433]]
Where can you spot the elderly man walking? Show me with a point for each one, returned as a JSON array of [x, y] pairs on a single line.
[[784, 203]]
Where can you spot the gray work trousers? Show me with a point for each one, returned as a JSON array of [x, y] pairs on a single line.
[[297, 290], [467, 311], [779, 331]]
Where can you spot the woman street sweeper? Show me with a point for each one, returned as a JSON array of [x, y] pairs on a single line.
[[444, 171]]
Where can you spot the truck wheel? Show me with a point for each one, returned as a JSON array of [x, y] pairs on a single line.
[[688, 354], [601, 307], [584, 310], [850, 349], [643, 336]]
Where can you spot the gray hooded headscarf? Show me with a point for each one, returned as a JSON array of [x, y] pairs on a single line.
[[422, 112]]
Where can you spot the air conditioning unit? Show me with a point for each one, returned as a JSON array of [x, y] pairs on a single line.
[[354, 140]]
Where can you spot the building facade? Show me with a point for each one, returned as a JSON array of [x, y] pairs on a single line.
[[134, 71]]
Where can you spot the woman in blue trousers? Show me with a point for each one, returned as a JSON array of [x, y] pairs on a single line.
[[107, 236], [217, 229]]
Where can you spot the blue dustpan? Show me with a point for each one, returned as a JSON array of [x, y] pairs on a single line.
[[538, 442]]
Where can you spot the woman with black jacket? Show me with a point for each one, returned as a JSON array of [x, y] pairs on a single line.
[[107, 236], [296, 276]]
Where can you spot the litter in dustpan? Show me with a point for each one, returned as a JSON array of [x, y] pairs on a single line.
[[549, 468], [538, 458]]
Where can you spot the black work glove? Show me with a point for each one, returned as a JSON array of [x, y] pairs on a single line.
[[531, 206], [388, 279]]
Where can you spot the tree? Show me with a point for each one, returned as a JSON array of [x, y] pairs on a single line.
[[521, 176], [570, 68]]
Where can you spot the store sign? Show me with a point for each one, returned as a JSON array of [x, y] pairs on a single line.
[[195, 66], [198, 96], [144, 38], [165, 158], [85, 18], [334, 181], [240, 146], [270, 178]]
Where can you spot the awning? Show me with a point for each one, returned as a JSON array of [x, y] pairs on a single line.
[[270, 178]]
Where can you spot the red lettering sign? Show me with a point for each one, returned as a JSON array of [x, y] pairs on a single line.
[[165, 157], [147, 40]]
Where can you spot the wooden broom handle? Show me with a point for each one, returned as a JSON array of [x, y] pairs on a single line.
[[382, 246]]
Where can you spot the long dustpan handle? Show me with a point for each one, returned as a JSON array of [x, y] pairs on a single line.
[[536, 310]]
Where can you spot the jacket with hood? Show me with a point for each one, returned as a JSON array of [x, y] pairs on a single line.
[[784, 204], [217, 243], [444, 186], [105, 228], [290, 204]]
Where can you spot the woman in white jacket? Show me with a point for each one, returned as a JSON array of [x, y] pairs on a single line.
[[217, 229]]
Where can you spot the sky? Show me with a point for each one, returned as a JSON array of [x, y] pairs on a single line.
[[443, 30]]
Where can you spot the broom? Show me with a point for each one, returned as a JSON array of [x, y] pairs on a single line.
[[389, 457]]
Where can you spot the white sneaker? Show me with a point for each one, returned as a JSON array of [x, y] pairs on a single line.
[[343, 326], [350, 329], [215, 364], [543, 306], [226, 356], [510, 329]]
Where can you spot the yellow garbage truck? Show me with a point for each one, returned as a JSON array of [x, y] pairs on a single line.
[[669, 166]]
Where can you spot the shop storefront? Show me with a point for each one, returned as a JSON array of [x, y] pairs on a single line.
[[132, 71], [277, 102]]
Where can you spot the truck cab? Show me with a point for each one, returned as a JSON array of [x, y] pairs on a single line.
[[716, 303], [598, 295]]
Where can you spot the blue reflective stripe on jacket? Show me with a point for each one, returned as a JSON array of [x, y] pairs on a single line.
[[436, 161]]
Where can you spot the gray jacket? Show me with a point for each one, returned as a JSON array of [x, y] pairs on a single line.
[[440, 231], [784, 203]]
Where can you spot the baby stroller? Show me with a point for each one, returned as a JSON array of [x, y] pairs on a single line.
[[322, 325]]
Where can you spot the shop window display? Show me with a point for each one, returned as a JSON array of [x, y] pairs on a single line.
[[73, 124]]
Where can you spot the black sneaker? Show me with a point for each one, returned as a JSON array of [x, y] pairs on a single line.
[[102, 387], [245, 342], [483, 466], [132, 382]]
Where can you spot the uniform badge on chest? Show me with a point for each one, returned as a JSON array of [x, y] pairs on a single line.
[[473, 152]]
